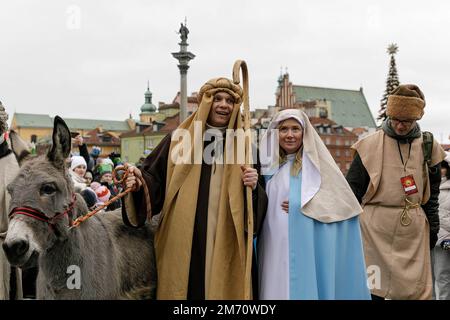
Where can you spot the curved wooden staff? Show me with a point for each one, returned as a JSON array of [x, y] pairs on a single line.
[[240, 64]]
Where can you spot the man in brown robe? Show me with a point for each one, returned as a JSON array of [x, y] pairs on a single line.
[[399, 192], [200, 243]]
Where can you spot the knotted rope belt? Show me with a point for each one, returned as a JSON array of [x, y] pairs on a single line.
[[122, 181], [405, 218]]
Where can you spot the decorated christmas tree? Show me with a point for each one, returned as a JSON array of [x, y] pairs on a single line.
[[391, 82]]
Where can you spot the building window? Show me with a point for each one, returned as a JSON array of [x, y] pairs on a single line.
[[327, 141], [338, 153], [347, 153], [338, 141], [347, 142], [347, 165]]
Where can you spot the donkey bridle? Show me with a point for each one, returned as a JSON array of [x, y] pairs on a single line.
[[39, 215]]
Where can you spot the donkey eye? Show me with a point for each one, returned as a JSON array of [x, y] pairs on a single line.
[[48, 189]]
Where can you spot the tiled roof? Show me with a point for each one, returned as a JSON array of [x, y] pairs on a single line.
[[33, 120], [171, 123], [95, 137], [174, 105], [317, 122], [24, 120], [108, 125], [348, 107]]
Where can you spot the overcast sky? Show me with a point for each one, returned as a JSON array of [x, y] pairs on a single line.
[[92, 59]]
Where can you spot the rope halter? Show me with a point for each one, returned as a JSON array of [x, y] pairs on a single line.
[[39, 215]]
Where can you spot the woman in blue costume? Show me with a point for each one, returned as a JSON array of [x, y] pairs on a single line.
[[310, 245]]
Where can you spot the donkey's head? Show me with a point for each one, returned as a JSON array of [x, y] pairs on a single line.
[[41, 201]]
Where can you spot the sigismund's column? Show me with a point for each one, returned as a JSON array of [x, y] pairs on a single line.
[[183, 57]]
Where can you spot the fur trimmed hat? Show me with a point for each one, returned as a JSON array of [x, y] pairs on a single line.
[[406, 102]]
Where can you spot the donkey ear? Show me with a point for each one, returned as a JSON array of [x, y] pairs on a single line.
[[61, 143], [20, 148]]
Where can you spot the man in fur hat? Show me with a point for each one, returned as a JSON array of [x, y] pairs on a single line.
[[200, 243], [399, 192]]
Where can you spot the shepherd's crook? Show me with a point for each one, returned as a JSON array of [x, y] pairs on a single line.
[[248, 156]]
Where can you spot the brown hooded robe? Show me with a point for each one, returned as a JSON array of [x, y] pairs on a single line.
[[181, 193]]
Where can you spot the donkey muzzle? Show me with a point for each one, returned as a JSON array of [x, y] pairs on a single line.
[[16, 250]]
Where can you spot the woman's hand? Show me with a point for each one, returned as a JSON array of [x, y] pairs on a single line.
[[285, 206]]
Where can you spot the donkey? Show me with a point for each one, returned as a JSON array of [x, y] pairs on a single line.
[[102, 258]]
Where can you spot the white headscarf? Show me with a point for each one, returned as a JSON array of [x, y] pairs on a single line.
[[325, 194]]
